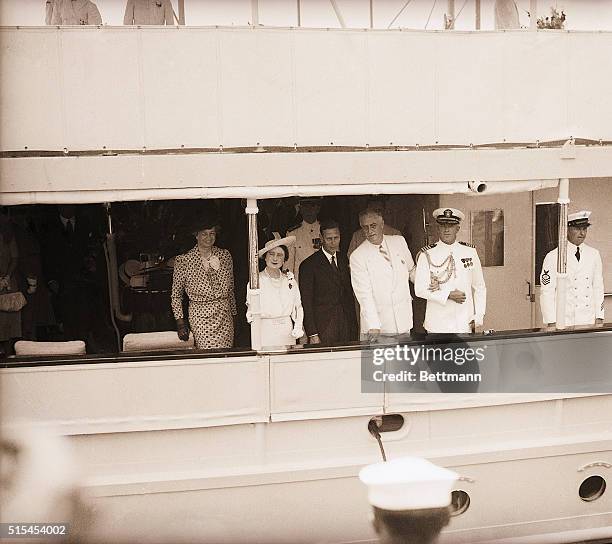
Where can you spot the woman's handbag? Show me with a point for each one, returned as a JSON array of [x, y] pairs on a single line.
[[12, 302]]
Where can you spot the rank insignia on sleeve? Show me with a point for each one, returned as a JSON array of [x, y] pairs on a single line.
[[545, 277]]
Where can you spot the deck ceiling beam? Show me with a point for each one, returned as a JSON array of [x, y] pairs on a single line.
[[296, 172]]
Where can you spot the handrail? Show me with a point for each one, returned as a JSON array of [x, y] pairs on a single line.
[[125, 357]]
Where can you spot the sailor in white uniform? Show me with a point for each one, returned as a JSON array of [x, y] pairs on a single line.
[[411, 499], [584, 303], [449, 276], [307, 235]]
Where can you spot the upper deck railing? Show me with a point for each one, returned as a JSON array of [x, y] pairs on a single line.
[[107, 109], [126, 88]]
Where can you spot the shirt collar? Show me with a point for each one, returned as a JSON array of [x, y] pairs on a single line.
[[329, 255], [65, 221]]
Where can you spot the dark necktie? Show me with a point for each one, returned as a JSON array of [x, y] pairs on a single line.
[[578, 253], [69, 229], [334, 263]]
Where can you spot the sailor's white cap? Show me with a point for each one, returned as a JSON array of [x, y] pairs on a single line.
[[448, 215], [408, 483], [579, 219]]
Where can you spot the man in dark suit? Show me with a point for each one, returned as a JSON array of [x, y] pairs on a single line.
[[327, 294], [69, 266]]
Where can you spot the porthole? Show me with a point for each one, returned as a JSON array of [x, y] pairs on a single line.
[[592, 488], [460, 502]]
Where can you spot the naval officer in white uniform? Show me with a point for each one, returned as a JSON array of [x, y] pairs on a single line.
[[584, 303], [307, 235], [449, 276], [381, 268]]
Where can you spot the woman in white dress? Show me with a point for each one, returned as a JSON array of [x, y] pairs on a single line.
[[282, 314]]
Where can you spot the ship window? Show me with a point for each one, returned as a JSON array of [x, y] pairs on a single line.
[[592, 488], [460, 502]]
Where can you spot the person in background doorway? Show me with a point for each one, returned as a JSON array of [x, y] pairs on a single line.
[[327, 294], [69, 266], [584, 302], [37, 315], [10, 321], [307, 235]]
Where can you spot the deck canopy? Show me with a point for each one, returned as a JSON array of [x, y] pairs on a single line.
[[257, 112]]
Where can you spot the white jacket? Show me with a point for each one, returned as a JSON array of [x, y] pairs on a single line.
[[585, 287], [382, 289], [443, 315], [307, 241], [75, 12], [148, 12]]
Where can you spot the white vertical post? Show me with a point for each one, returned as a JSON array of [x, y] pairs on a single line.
[[533, 14], [371, 13], [451, 15], [561, 293], [254, 306], [255, 12]]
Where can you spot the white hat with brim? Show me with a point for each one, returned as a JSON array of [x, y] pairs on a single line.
[[579, 219], [408, 483], [277, 241]]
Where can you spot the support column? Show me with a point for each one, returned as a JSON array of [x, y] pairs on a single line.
[[254, 307], [255, 12], [533, 14], [561, 293], [450, 16], [478, 12]]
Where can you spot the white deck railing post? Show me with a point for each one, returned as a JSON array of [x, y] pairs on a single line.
[[254, 306], [563, 201]]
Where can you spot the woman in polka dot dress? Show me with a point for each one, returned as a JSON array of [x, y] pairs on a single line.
[[206, 274]]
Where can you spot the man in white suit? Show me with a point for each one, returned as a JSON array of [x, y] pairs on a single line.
[[584, 303], [381, 268]]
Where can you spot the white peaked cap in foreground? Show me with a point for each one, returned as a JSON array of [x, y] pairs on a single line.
[[408, 483]]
